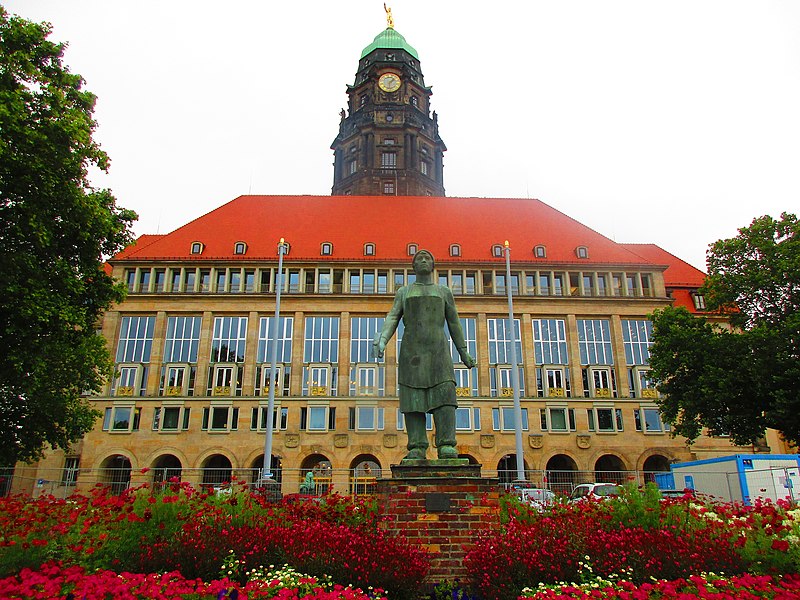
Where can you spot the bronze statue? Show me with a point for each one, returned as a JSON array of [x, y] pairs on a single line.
[[426, 379]]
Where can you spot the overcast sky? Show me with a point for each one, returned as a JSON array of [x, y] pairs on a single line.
[[672, 122]]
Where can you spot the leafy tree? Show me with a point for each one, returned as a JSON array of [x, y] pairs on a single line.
[[54, 231], [746, 379]]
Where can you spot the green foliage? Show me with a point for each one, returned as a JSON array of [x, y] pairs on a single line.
[[743, 381], [54, 231]]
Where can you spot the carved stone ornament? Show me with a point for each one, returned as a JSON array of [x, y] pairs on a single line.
[[487, 441], [341, 440], [536, 441], [390, 440], [292, 440], [584, 440]]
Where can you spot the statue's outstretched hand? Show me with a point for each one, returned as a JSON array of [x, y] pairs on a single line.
[[469, 362], [378, 346]]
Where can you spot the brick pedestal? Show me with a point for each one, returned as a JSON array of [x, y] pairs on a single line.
[[440, 505]]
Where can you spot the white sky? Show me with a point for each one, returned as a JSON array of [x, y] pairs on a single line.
[[673, 122]]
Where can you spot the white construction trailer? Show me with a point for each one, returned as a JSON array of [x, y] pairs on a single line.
[[738, 478]]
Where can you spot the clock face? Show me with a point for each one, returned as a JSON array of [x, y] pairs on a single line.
[[389, 82]]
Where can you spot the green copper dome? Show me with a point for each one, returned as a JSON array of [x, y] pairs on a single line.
[[389, 38]]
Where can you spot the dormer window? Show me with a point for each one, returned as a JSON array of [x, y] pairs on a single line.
[[582, 252], [197, 247], [369, 249], [497, 251], [540, 251], [411, 249], [239, 248], [699, 301], [455, 250], [326, 249]]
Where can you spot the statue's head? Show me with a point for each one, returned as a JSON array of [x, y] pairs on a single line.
[[423, 259]]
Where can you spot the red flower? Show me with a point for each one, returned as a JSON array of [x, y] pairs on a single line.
[[781, 545]]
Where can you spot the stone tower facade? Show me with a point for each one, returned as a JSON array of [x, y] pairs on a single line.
[[388, 141]]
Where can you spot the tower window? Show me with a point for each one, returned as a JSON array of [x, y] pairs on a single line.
[[582, 252], [389, 160], [352, 167], [390, 56], [414, 101], [369, 249], [352, 148], [363, 100], [455, 250], [389, 117], [497, 251], [389, 141], [540, 252], [239, 248], [388, 188], [326, 249], [412, 249], [423, 167], [197, 247], [424, 150]]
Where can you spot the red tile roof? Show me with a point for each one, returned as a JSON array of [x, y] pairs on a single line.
[[391, 223], [680, 278], [679, 273]]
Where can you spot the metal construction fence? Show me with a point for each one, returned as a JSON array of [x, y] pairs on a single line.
[[64, 482]]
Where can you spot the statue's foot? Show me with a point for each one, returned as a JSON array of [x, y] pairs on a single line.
[[416, 454], [448, 452]]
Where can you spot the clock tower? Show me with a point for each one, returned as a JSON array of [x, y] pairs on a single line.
[[388, 141]]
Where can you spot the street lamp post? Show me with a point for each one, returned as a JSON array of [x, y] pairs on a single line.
[[514, 370], [267, 471]]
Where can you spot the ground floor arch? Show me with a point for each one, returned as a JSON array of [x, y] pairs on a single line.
[[166, 469], [316, 469], [364, 471], [561, 473], [115, 471], [657, 463], [472, 460], [217, 470], [609, 468], [507, 469]]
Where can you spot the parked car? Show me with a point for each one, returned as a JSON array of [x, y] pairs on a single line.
[[537, 497], [677, 493], [594, 490]]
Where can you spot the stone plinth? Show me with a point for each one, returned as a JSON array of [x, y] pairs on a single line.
[[440, 505]]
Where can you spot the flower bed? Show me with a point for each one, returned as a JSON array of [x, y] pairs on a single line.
[[52, 581], [185, 530], [182, 543], [638, 537]]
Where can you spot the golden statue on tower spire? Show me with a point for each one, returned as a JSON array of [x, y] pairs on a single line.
[[389, 19]]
